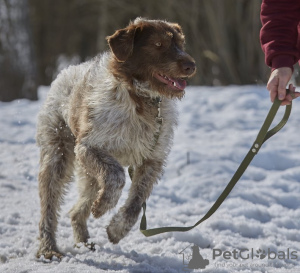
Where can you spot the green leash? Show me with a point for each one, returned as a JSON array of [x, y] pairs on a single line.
[[262, 136]]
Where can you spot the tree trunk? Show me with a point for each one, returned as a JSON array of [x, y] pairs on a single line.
[[17, 62]]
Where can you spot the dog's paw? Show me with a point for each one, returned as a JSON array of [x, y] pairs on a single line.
[[88, 245], [118, 228], [112, 235], [50, 254]]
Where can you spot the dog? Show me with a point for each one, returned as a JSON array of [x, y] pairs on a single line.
[[114, 111]]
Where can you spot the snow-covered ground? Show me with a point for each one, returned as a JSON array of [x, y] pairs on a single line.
[[255, 230]]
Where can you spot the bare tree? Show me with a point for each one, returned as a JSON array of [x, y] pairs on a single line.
[[17, 62]]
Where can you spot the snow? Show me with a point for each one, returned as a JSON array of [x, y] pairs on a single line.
[[217, 127]]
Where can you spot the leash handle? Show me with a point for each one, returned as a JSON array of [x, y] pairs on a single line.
[[263, 135]]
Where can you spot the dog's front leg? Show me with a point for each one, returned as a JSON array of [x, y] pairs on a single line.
[[143, 180], [108, 173]]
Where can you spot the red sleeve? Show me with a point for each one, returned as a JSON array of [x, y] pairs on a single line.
[[279, 32]]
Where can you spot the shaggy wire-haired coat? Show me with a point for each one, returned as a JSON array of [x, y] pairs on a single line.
[[101, 116]]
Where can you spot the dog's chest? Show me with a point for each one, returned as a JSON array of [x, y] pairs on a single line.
[[127, 134]]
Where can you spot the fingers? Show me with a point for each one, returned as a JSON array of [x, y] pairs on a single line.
[[277, 83], [291, 95], [292, 87], [283, 81], [272, 86], [281, 91]]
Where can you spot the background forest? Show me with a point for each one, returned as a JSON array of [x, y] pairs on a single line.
[[40, 37]]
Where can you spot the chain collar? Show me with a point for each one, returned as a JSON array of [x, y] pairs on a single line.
[[159, 121]]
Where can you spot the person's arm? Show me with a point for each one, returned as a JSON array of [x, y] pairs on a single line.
[[279, 41], [279, 32]]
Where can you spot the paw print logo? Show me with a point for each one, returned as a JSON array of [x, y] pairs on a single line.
[[261, 254]]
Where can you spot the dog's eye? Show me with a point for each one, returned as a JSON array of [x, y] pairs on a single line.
[[158, 44]]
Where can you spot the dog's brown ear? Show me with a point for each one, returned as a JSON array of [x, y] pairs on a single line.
[[121, 43], [177, 28]]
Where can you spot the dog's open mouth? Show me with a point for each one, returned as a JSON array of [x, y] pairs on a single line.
[[175, 84]]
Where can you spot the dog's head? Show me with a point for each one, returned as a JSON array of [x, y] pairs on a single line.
[[153, 51]]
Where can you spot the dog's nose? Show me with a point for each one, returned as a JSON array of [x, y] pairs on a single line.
[[189, 67]]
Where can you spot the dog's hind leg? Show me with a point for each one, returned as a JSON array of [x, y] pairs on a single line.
[[88, 189], [56, 169], [144, 178], [109, 174]]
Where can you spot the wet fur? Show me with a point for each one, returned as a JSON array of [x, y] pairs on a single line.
[[99, 117]]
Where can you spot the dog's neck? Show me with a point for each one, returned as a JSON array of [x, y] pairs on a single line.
[[143, 89], [140, 88]]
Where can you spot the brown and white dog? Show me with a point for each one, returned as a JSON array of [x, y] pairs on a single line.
[[99, 117]]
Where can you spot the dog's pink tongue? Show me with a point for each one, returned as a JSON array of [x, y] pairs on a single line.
[[179, 83]]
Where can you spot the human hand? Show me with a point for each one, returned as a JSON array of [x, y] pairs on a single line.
[[277, 85]]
